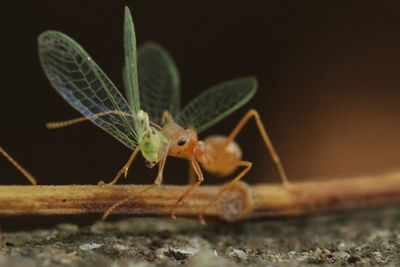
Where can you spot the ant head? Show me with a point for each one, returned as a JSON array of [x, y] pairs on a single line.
[[184, 144]]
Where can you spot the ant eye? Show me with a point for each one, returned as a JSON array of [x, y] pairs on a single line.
[[181, 141]]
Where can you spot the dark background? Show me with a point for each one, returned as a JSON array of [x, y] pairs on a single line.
[[328, 71]]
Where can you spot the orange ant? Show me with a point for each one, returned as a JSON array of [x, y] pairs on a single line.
[[152, 122]]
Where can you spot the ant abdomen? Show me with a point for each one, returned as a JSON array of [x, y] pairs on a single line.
[[217, 162]]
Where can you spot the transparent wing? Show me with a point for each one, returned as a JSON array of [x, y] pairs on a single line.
[[159, 81], [79, 80], [130, 69], [217, 103]]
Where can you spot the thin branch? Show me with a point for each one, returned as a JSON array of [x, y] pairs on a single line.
[[241, 202]]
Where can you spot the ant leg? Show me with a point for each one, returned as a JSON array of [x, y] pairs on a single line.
[[114, 206], [247, 165], [21, 169], [108, 212], [124, 170], [160, 174], [252, 113], [157, 182], [192, 174], [200, 179]]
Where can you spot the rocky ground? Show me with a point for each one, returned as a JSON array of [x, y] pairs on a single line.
[[354, 238]]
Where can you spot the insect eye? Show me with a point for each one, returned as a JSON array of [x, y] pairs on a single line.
[[181, 141]]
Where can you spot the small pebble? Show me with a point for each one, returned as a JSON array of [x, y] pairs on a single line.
[[89, 246]]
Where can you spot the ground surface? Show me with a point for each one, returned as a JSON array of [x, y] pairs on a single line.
[[356, 238]]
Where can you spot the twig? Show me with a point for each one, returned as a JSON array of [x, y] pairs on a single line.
[[240, 203]]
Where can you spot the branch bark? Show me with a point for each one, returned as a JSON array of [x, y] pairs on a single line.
[[242, 202]]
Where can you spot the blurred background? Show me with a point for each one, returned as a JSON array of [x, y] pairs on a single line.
[[328, 71]]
